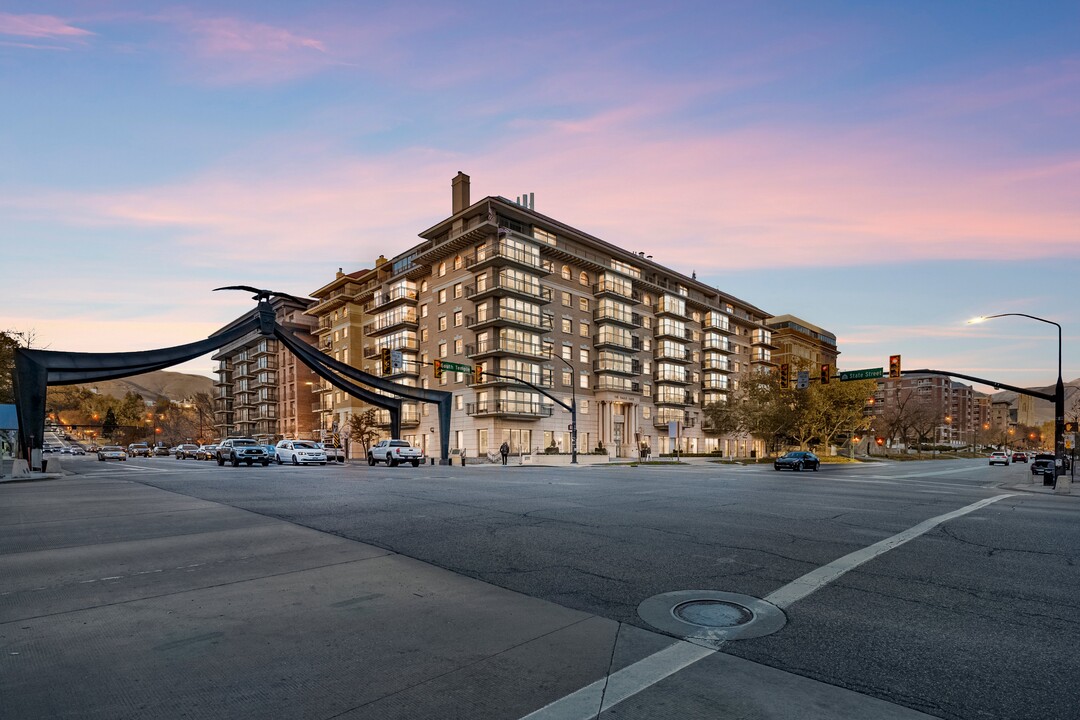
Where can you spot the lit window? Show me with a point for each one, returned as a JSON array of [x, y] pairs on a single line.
[[457, 262], [567, 300], [442, 323], [442, 269], [583, 304], [458, 349], [457, 290], [423, 310], [442, 296], [583, 330], [567, 352], [567, 378], [442, 349], [584, 356], [457, 319], [584, 381], [567, 326], [583, 278], [566, 274]]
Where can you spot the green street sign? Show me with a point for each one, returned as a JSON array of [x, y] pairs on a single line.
[[867, 374], [456, 367]]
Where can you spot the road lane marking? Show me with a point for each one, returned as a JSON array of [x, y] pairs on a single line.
[[613, 689], [816, 579]]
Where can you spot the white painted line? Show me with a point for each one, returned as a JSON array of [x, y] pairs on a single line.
[[585, 704], [801, 587]]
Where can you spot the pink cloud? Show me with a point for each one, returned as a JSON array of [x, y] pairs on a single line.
[[38, 26]]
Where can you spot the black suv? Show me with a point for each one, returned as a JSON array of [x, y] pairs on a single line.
[[238, 450]]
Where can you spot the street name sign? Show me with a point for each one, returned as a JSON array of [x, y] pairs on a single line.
[[456, 367], [866, 374]]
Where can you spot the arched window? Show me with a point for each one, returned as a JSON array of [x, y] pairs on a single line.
[[457, 262], [584, 278], [442, 269], [566, 272]]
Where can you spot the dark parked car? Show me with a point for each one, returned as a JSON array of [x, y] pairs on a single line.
[[1020, 457], [186, 450], [796, 461]]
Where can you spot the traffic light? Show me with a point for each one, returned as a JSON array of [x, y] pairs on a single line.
[[438, 368], [880, 441], [1070, 426], [385, 357], [478, 374], [785, 375], [826, 373], [894, 366]]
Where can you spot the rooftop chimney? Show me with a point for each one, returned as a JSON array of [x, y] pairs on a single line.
[[460, 191]]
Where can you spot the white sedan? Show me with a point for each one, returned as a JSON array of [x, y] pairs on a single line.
[[299, 452]]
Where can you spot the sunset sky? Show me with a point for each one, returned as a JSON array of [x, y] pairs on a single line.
[[883, 170]]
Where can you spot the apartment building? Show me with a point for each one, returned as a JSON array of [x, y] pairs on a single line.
[[261, 390], [539, 305], [955, 413], [802, 344]]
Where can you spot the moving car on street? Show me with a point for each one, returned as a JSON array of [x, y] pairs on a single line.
[[238, 450], [206, 452], [111, 452], [393, 452], [1020, 457], [186, 450], [299, 452], [999, 457], [797, 460], [138, 450]]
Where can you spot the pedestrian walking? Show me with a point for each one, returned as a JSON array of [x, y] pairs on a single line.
[[504, 450]]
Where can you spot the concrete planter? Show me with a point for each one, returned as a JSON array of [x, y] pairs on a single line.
[[545, 460]]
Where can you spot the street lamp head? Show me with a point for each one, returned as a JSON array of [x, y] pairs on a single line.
[[977, 320]]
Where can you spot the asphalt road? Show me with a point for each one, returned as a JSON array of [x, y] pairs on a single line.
[[975, 618]]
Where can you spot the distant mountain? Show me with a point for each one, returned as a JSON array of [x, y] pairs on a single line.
[[173, 385], [1044, 409]]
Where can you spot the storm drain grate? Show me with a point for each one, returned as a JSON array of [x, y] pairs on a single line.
[[711, 615]]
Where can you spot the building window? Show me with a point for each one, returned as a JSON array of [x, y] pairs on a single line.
[[583, 356], [442, 351], [583, 329], [423, 286], [646, 390], [567, 300], [459, 402], [583, 304], [423, 310], [457, 266], [566, 275], [457, 319], [442, 269], [583, 406], [442, 323], [567, 352], [583, 278], [567, 326], [646, 322], [457, 290], [584, 381], [567, 378], [458, 349], [442, 296], [423, 334], [344, 332]]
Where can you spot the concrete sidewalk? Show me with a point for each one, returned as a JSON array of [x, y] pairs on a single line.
[[121, 600]]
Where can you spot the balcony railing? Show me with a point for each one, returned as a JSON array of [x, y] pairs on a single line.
[[607, 382], [510, 347], [670, 377], [607, 287], [505, 316], [662, 419], [373, 351], [395, 294], [717, 343], [499, 284], [676, 398], [623, 368], [501, 252], [668, 331], [632, 342], [630, 319], [714, 366], [678, 354], [518, 408], [716, 321], [397, 322]]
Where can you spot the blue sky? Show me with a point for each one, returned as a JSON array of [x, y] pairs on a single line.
[[885, 171]]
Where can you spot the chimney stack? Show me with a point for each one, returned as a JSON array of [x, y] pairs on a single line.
[[460, 191]]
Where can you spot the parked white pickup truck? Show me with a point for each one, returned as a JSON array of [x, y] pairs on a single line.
[[334, 453], [393, 452]]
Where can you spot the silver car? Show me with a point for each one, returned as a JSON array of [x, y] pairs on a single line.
[[112, 452]]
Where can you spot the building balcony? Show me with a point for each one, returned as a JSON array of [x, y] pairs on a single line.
[[334, 299], [501, 254], [499, 316], [608, 288], [409, 417], [761, 356], [268, 412], [499, 346], [499, 286], [373, 351], [714, 366], [615, 340], [400, 322], [520, 409], [758, 339], [717, 344], [678, 399], [632, 367], [668, 332], [661, 419], [325, 325], [672, 378], [545, 378], [619, 384], [717, 321], [631, 320], [396, 296], [264, 349], [672, 309], [680, 354], [712, 383]]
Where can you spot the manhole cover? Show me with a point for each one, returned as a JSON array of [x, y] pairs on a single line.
[[713, 613]]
